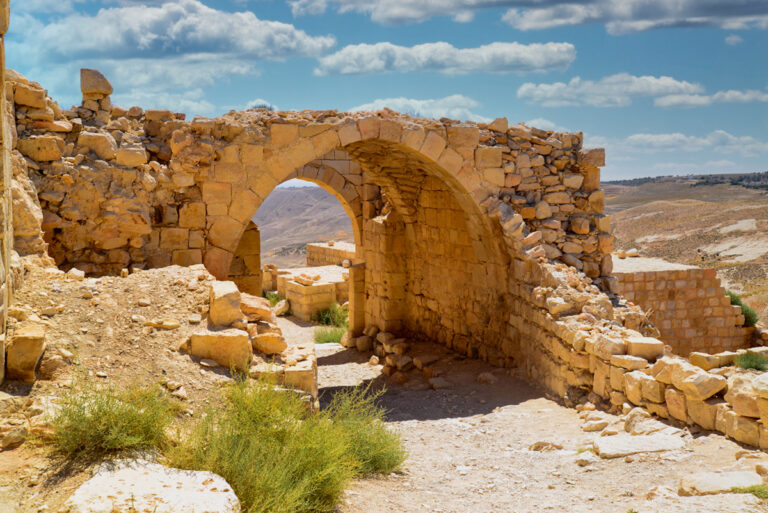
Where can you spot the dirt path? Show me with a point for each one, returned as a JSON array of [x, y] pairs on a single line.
[[469, 451]]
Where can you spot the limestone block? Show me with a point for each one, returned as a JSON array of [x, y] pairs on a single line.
[[580, 225], [543, 210], [302, 376], [597, 201], [592, 157], [187, 257], [760, 385], [93, 82], [256, 308], [605, 346], [618, 446], [5, 15], [268, 343], [139, 485], [645, 347], [652, 390], [633, 386], [224, 300], [573, 180], [742, 429], [225, 232], [702, 385], [131, 157], [24, 351], [704, 361], [101, 144], [703, 413], [709, 483], [742, 396], [192, 215], [557, 198], [43, 148], [463, 136], [30, 96], [629, 362], [229, 347], [676, 404], [488, 156]]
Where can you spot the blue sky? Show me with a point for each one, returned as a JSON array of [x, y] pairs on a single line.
[[667, 86]]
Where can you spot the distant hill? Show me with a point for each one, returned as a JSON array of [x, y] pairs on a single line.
[[292, 216]]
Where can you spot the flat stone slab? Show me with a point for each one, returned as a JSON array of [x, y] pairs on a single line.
[[623, 445], [147, 486], [710, 483]]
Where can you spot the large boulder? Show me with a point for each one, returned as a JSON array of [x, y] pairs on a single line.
[[230, 348], [103, 145], [94, 82], [29, 96], [140, 485], [23, 352], [131, 156], [224, 304]]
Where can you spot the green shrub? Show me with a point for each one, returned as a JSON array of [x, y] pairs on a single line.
[[377, 449], [750, 316], [752, 361], [328, 335], [334, 315], [274, 297], [280, 457], [95, 420], [760, 491]]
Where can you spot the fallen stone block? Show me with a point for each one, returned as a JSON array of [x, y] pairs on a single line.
[[709, 483], [140, 485], [645, 347], [269, 343], [24, 351], [256, 308], [224, 303], [702, 385], [623, 445], [229, 348]]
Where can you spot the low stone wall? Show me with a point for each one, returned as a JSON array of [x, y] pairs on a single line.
[[688, 306], [329, 253], [309, 293]]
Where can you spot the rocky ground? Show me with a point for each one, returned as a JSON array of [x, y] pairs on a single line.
[[485, 441]]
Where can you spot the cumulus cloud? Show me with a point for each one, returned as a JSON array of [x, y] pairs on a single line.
[[612, 91], [260, 102], [456, 106], [167, 51], [619, 16], [703, 100], [445, 58], [719, 141], [545, 124], [734, 40]]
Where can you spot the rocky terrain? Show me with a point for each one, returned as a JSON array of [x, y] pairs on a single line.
[[680, 220]]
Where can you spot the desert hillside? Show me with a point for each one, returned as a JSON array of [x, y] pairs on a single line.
[[292, 216], [701, 222]]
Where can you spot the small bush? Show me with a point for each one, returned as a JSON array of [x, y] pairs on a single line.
[[278, 456], [752, 361], [329, 335], [274, 297], [760, 491], [377, 449], [334, 315], [95, 420], [750, 316]]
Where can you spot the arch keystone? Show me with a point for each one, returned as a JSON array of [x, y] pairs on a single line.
[[369, 127], [348, 134]]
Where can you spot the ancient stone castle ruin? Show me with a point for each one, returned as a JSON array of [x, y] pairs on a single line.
[[487, 238]]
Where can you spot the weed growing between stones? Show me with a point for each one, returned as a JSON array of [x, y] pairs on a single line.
[[327, 335], [752, 361], [759, 491], [334, 315], [750, 316], [95, 420], [279, 456], [274, 297]]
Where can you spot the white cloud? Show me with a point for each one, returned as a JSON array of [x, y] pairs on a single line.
[[445, 58], [455, 106], [702, 100], [612, 91], [168, 51], [545, 124], [624, 16], [734, 40], [192, 102], [718, 141], [619, 16]]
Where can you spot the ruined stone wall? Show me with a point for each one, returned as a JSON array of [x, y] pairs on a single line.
[[329, 253], [690, 309], [245, 270]]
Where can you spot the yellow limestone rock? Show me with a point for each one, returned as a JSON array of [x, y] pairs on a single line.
[[224, 303], [24, 351], [708, 483], [230, 348], [256, 308]]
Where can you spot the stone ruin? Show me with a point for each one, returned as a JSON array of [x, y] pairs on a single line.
[[488, 238]]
